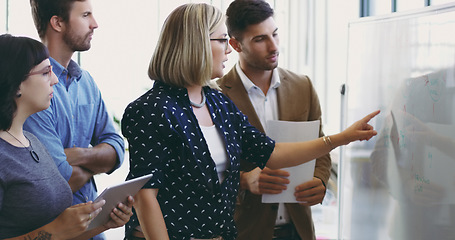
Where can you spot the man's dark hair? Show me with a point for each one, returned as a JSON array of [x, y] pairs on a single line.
[[243, 13], [18, 56], [43, 10]]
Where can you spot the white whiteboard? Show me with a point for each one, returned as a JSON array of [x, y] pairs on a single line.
[[401, 185]]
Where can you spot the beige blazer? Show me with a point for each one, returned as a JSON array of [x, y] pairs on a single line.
[[297, 101]]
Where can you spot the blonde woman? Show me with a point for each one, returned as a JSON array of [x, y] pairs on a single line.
[[192, 137]]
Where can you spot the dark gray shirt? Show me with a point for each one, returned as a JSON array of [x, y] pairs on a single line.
[[32, 193]]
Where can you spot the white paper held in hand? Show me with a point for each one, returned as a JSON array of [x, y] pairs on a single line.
[[286, 131]]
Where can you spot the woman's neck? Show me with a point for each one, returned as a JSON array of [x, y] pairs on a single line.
[[15, 136], [202, 113], [17, 125], [194, 93]]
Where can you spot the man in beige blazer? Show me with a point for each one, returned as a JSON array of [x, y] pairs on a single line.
[[264, 92]]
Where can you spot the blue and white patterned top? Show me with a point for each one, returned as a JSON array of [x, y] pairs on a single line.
[[165, 139]]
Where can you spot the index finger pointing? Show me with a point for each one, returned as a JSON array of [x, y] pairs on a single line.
[[368, 117]]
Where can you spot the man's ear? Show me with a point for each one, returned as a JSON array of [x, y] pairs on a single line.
[[57, 23], [235, 44]]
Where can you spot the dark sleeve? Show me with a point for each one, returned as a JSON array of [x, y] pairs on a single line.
[[256, 146], [144, 133]]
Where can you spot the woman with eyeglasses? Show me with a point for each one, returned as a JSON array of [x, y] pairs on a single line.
[[35, 200], [192, 137]]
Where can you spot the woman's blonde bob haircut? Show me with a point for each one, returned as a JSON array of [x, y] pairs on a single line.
[[183, 55]]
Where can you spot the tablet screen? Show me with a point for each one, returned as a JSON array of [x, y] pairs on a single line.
[[114, 195]]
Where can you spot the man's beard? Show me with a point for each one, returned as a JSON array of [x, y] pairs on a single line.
[[77, 43]]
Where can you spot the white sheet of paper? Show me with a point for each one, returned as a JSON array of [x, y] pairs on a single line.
[[285, 131]]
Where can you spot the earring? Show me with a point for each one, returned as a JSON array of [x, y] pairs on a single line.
[[18, 95]]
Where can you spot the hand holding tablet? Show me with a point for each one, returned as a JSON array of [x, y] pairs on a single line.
[[114, 195]]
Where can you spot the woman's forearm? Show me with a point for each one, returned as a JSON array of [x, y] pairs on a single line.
[[149, 214], [295, 153]]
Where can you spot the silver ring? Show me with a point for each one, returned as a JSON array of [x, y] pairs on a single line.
[[90, 217]]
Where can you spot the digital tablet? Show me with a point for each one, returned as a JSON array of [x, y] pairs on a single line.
[[114, 195]]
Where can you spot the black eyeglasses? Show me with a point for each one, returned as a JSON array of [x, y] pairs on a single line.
[[222, 40], [47, 70]]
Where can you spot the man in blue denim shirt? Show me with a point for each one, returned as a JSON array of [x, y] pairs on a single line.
[[76, 128]]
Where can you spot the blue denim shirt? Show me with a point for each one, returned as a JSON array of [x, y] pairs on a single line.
[[77, 117], [165, 139]]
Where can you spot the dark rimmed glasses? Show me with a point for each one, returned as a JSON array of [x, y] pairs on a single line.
[[222, 40], [47, 70]]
